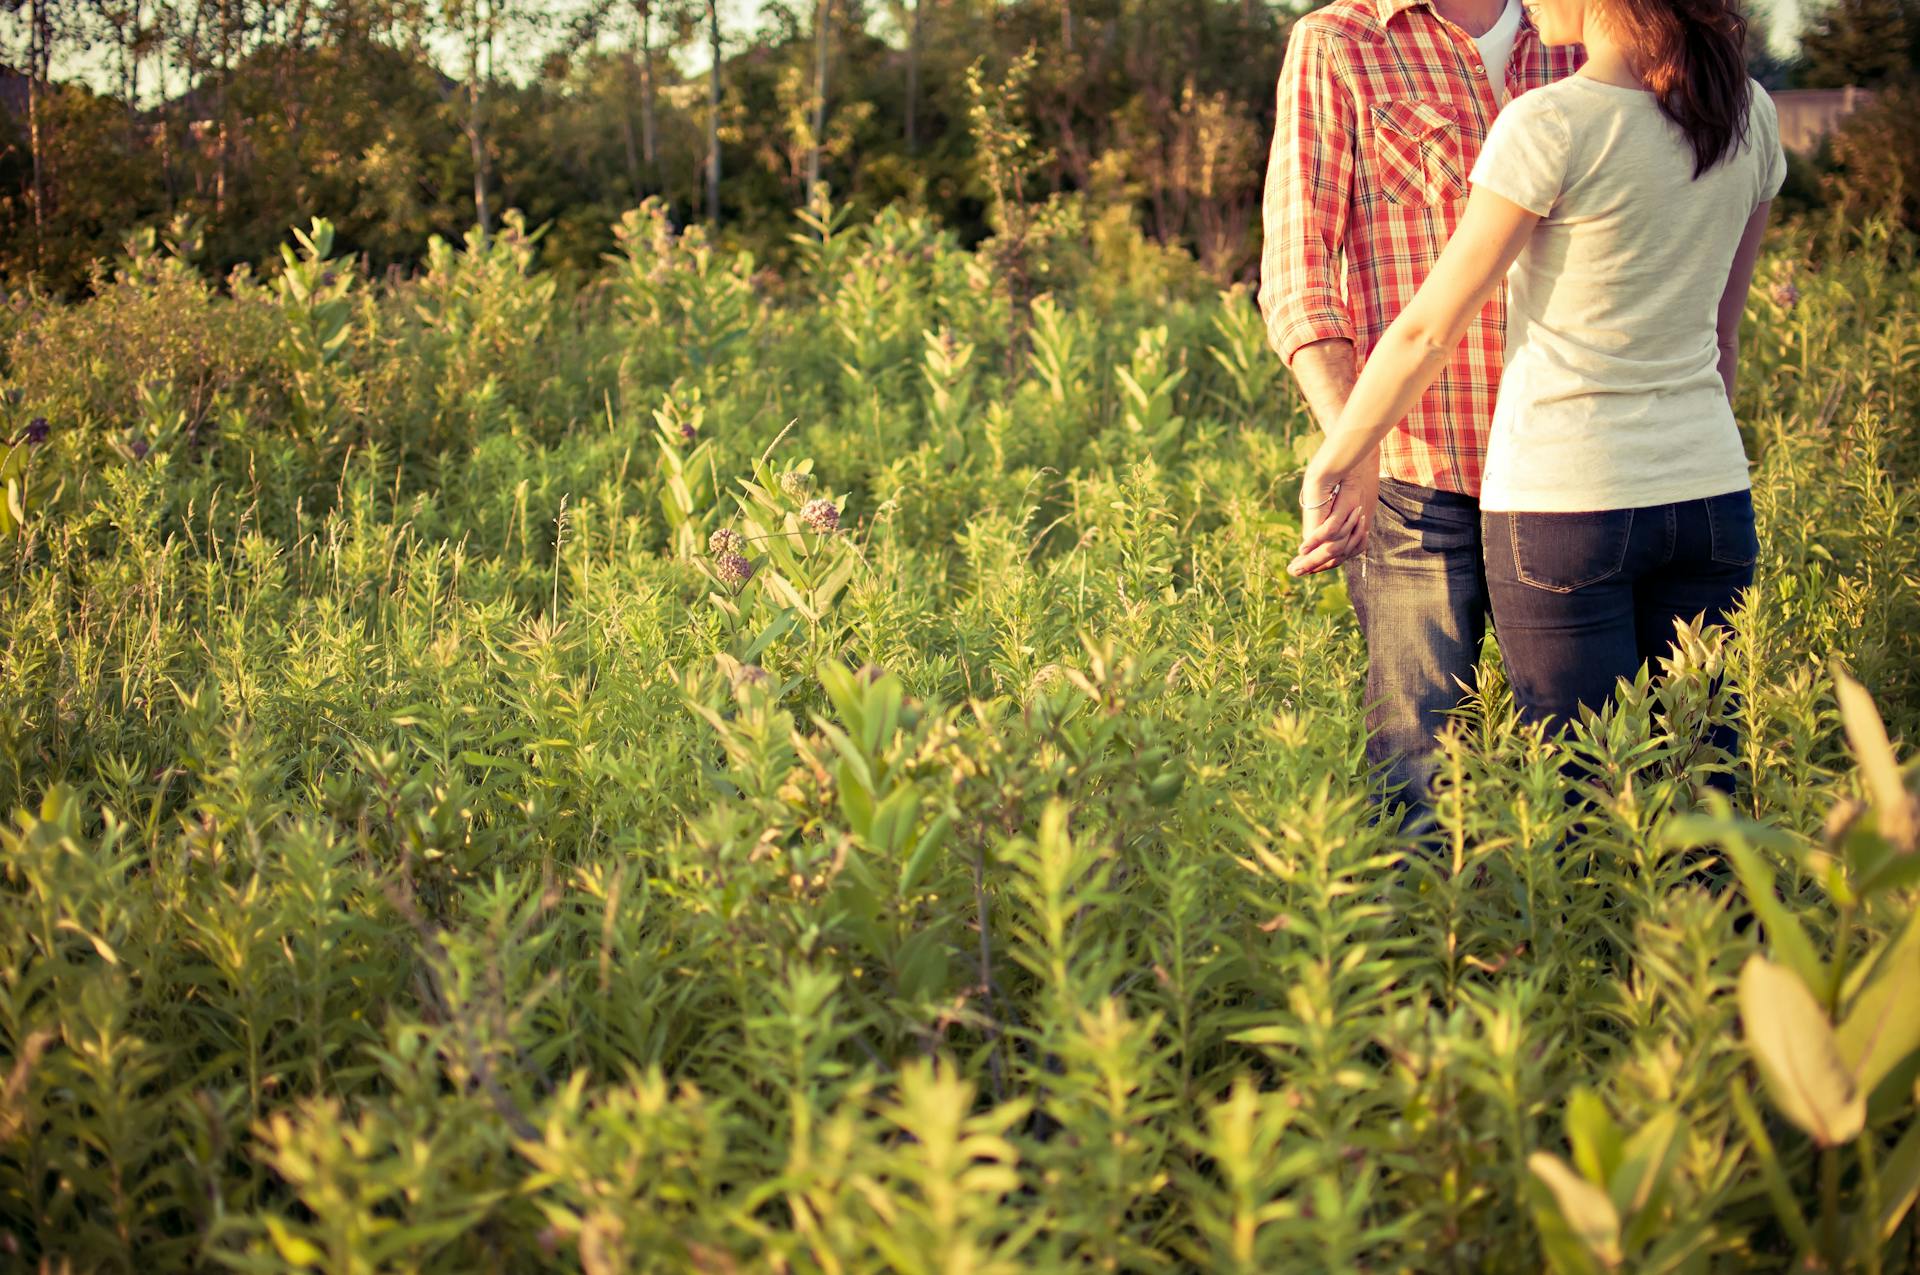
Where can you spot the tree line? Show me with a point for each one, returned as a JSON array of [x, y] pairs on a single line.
[[400, 119]]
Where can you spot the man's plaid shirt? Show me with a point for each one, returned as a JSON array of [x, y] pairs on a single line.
[[1383, 107]]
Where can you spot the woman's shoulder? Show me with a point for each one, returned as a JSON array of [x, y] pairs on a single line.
[[1547, 103], [1760, 104]]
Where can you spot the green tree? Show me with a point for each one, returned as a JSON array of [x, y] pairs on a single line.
[[1868, 43]]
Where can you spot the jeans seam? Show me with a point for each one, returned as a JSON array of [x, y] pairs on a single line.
[[1520, 570]]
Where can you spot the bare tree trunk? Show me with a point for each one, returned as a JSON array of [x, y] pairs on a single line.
[[293, 42], [1066, 26], [226, 62], [626, 134], [913, 77], [713, 114], [649, 120], [133, 107], [476, 145], [820, 35], [37, 33]]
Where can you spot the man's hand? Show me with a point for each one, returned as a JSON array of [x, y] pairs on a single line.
[[1338, 529]]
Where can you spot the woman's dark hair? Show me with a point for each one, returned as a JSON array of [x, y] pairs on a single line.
[[1693, 55]]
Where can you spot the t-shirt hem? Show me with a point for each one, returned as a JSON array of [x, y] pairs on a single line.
[[1559, 501]]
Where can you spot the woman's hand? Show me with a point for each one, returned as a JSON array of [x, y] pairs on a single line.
[[1337, 529]]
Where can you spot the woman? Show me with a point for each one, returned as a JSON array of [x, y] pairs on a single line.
[[1629, 202]]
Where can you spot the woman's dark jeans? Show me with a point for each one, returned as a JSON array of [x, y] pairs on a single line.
[[1582, 600]]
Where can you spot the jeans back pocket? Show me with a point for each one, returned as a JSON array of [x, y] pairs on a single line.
[[1564, 552], [1736, 541]]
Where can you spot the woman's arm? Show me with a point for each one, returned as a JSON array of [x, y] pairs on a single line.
[[1414, 351], [1733, 302]]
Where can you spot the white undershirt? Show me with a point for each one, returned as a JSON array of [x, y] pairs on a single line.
[[1496, 47]]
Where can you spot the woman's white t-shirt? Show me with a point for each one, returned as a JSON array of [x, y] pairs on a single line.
[[1612, 397]]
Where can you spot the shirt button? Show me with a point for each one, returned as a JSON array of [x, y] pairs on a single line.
[[1478, 69]]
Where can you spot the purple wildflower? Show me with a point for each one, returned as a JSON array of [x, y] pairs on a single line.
[[139, 448], [724, 541], [36, 431], [1786, 294], [822, 516], [734, 570]]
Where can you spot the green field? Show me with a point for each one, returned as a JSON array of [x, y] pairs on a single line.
[[429, 853]]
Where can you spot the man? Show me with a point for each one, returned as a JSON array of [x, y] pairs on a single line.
[[1383, 107]]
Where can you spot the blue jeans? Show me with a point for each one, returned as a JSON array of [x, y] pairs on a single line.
[[1582, 600], [1419, 589]]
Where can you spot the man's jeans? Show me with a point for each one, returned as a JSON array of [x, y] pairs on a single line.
[[1419, 589], [1582, 600]]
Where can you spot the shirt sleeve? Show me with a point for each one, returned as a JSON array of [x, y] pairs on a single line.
[[1309, 190], [1765, 130], [1525, 158]]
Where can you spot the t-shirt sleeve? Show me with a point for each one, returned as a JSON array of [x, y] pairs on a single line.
[[1525, 158], [1765, 128]]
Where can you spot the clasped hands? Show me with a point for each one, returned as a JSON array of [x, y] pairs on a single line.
[[1336, 513]]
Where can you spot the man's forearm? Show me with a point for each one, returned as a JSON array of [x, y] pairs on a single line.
[[1324, 372]]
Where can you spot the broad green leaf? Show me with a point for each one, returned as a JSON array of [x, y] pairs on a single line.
[[781, 622], [849, 753], [830, 584], [914, 871], [883, 711], [894, 818], [844, 690], [1793, 1045], [783, 589], [856, 799], [1867, 735], [1638, 1186], [1584, 1207], [1595, 1136], [1789, 941], [1899, 1185], [921, 968], [1883, 1026], [292, 1248]]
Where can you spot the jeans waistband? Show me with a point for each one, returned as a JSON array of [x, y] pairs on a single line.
[[1430, 495]]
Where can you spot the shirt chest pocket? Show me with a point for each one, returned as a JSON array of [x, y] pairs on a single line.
[[1416, 153]]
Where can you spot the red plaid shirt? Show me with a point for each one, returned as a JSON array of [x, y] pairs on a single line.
[[1384, 106]]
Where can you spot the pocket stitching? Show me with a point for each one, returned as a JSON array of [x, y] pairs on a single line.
[[1520, 567], [1418, 169]]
